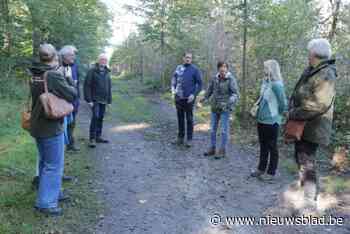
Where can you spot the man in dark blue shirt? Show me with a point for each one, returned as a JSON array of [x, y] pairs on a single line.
[[186, 84]]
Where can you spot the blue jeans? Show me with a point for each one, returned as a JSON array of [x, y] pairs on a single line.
[[51, 164], [224, 118], [98, 113]]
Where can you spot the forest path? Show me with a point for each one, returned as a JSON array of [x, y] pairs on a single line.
[[150, 186]]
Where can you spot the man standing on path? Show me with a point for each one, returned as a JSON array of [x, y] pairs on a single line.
[[186, 84], [98, 94], [70, 69]]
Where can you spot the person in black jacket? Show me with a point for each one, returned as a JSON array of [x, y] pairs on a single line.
[[98, 94]]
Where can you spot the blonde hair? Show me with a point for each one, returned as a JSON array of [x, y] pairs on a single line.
[[273, 69]]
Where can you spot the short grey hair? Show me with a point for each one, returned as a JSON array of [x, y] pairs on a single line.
[[68, 49], [47, 53], [320, 47], [103, 56]]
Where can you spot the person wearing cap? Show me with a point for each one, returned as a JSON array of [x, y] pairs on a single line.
[[98, 94]]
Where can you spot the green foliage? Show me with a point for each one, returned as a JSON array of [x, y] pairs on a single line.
[[25, 24]]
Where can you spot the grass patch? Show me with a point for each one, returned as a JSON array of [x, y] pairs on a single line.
[[129, 101], [17, 167], [335, 184]]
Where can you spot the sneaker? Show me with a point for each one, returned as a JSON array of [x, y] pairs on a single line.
[[268, 178], [50, 211], [211, 152], [101, 140], [257, 173], [221, 154], [92, 143], [189, 143]]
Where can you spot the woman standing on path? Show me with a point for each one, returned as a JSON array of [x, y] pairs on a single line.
[[48, 133], [223, 94], [272, 104]]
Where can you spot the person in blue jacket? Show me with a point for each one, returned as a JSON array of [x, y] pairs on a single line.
[[186, 84], [272, 104]]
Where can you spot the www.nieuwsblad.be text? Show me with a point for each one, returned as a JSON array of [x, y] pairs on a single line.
[[217, 219]]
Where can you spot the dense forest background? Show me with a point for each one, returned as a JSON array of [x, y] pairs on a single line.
[[243, 32]]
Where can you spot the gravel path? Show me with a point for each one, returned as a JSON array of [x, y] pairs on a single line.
[[150, 186]]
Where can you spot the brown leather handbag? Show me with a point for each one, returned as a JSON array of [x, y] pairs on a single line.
[[294, 130], [25, 119], [27, 111], [54, 107]]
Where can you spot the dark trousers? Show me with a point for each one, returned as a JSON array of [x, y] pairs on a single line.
[[184, 110], [268, 135], [70, 129], [96, 124]]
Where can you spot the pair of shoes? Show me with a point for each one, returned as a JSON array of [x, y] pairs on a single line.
[[101, 140], [56, 211], [92, 143], [211, 152], [221, 154], [257, 173], [73, 148]]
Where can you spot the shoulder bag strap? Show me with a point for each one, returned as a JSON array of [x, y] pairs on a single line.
[[45, 82], [29, 99]]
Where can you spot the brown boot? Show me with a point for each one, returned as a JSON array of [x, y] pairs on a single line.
[[210, 152], [221, 154]]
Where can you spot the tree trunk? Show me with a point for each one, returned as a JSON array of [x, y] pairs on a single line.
[[141, 62], [244, 61], [5, 12], [162, 45], [36, 33], [335, 18]]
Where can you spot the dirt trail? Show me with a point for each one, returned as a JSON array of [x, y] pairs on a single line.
[[150, 186]]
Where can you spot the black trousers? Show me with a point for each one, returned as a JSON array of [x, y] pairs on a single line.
[[96, 124], [268, 135], [184, 110], [70, 129]]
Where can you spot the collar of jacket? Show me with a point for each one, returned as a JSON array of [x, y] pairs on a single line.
[[227, 76], [325, 62], [311, 71], [97, 69]]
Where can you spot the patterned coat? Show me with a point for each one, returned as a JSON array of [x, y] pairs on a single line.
[[313, 101]]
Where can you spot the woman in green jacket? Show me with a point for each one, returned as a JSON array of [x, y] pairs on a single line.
[[272, 104], [223, 94]]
